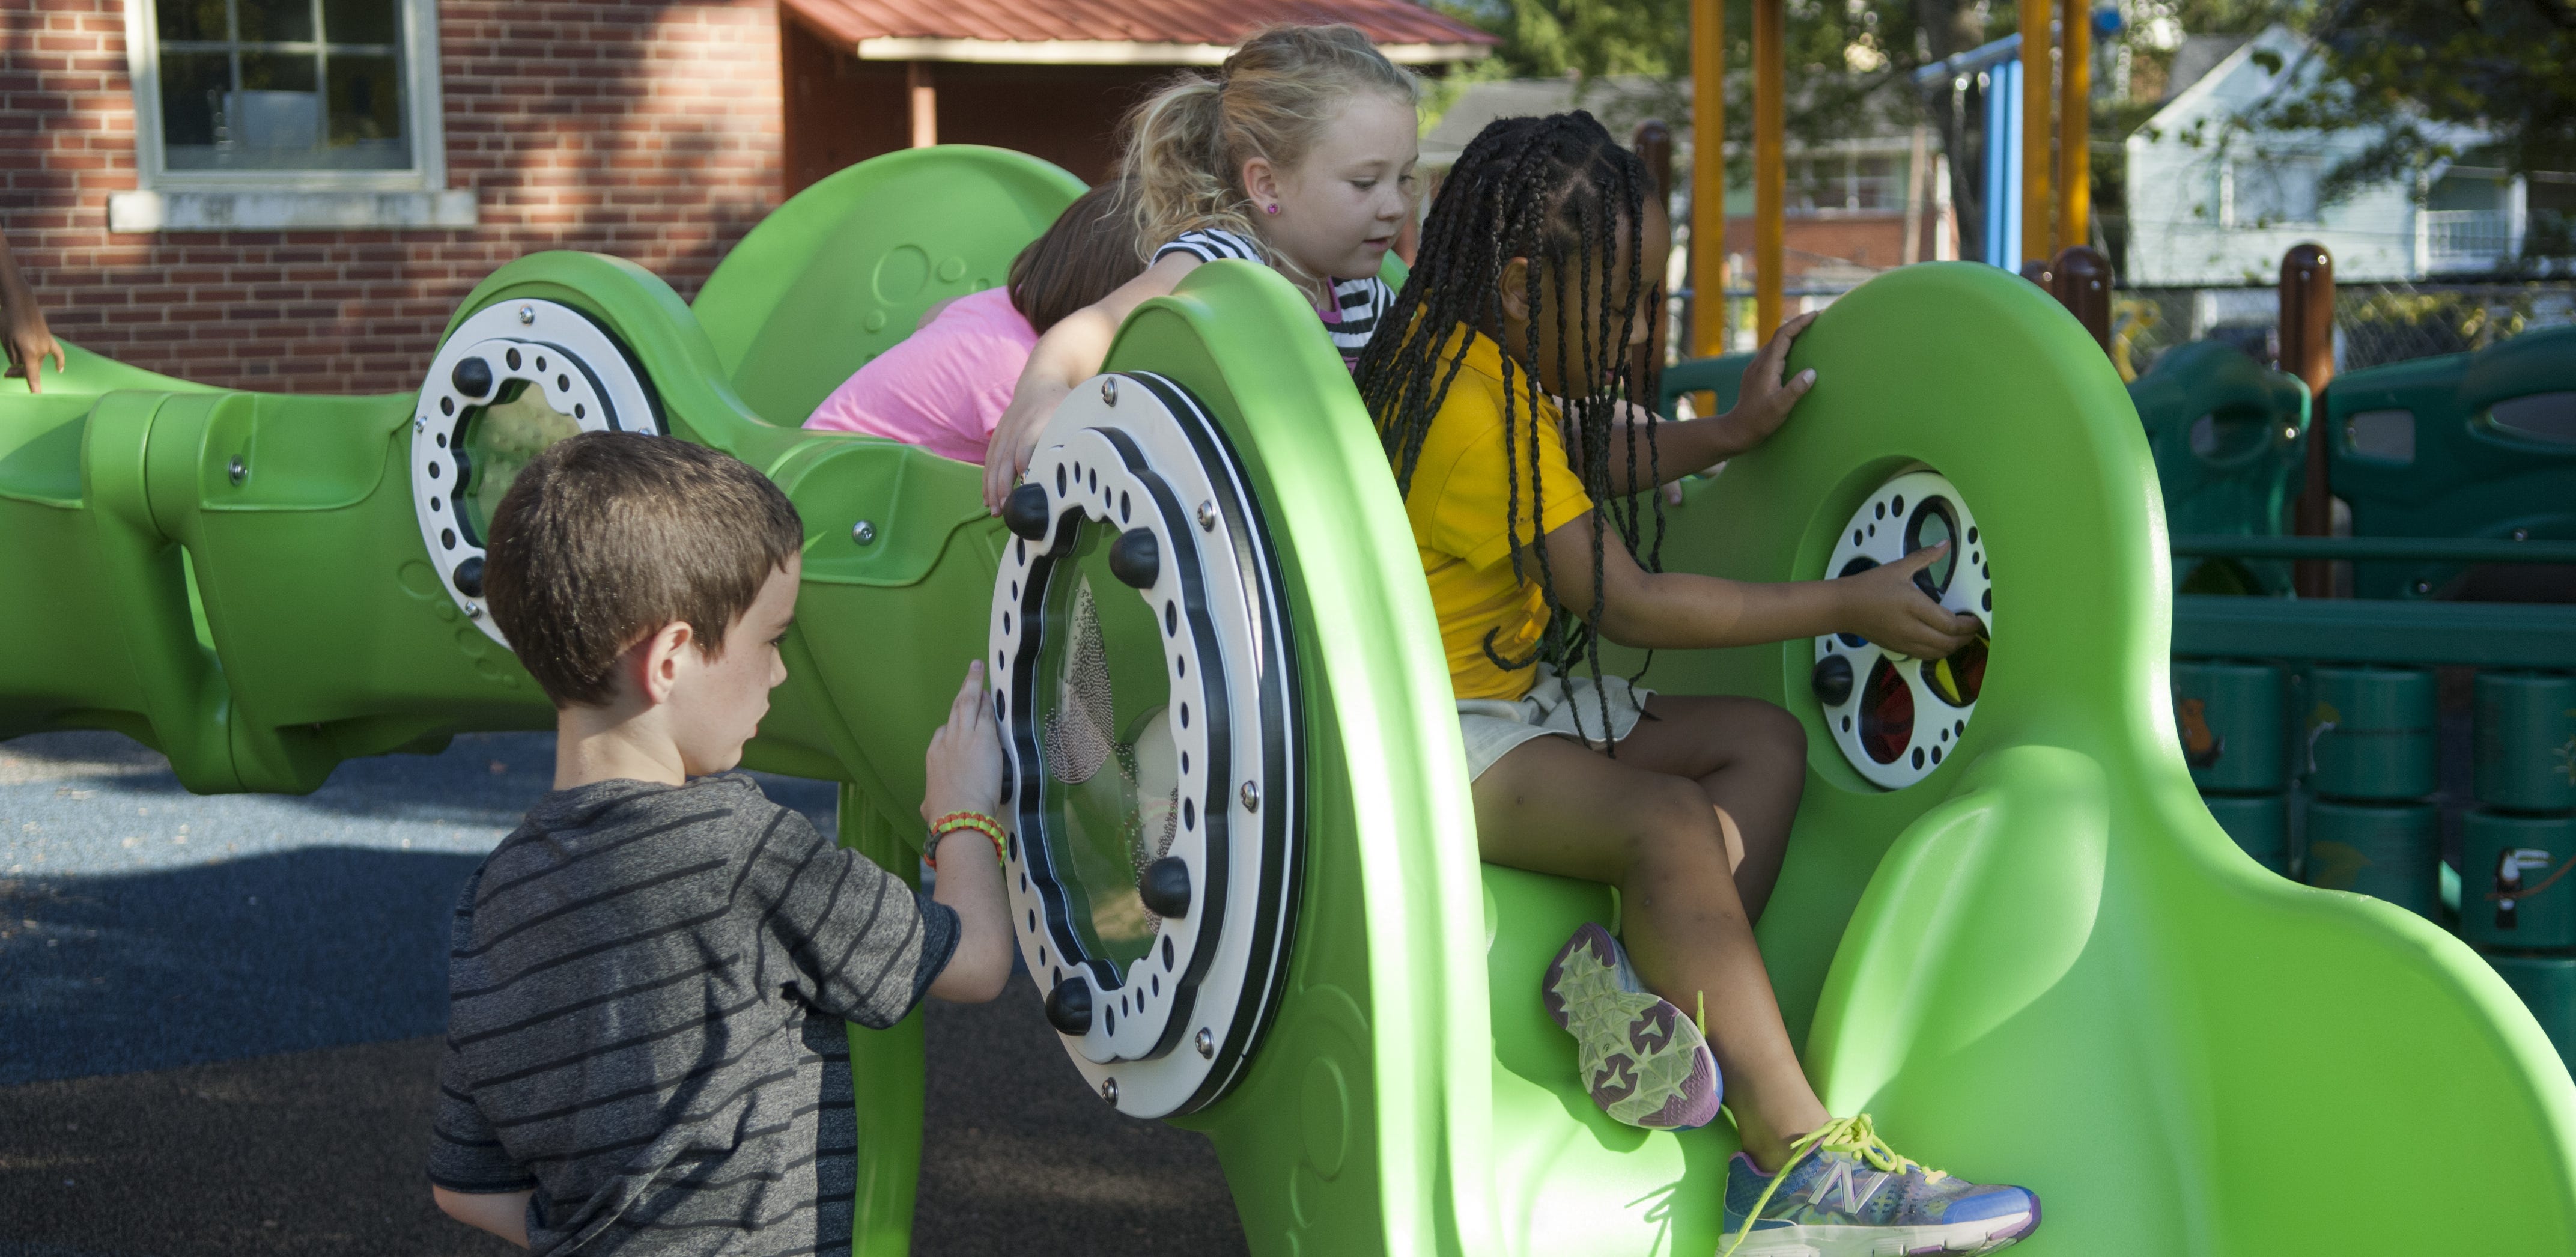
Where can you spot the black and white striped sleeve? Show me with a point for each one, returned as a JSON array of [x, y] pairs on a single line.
[[863, 945], [465, 1153], [1209, 244]]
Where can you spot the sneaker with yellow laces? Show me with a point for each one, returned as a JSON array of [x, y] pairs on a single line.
[[1845, 1193]]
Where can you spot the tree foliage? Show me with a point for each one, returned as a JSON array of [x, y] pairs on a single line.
[[2411, 69]]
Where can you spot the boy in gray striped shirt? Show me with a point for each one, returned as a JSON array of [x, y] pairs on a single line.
[[650, 977]]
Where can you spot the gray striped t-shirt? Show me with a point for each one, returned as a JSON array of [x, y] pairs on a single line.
[[646, 993]]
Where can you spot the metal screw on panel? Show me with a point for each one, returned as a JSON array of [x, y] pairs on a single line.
[[1207, 1045], [1251, 797], [2289, 434], [1109, 1090], [2522, 534], [527, 315], [1207, 516], [1109, 392], [474, 611], [420, 423], [2423, 587], [238, 469], [863, 532]]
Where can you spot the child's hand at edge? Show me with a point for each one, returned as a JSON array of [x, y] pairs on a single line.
[[1884, 605], [966, 776], [28, 341], [965, 759], [1764, 400]]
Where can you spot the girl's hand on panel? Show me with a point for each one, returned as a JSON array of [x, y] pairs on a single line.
[[29, 342], [1884, 605], [1764, 401], [1015, 437]]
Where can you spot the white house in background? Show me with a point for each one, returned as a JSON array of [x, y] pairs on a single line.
[[2211, 202]]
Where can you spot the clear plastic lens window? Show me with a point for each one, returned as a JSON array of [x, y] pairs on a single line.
[[1104, 722], [500, 441]]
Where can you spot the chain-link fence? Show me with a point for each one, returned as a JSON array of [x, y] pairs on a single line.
[[2374, 323]]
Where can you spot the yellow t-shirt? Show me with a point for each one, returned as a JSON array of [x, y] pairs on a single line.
[[1458, 503]]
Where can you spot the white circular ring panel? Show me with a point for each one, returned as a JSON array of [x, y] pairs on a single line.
[[1211, 769], [561, 359], [1896, 719]]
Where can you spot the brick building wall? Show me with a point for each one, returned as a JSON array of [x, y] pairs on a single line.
[[1871, 240], [648, 130]]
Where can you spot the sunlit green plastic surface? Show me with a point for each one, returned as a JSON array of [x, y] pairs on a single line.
[[2045, 963]]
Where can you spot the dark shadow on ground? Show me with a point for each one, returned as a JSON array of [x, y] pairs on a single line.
[[320, 1154], [281, 949], [1020, 1157], [248, 957]]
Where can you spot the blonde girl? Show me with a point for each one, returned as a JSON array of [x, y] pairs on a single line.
[[1298, 152]]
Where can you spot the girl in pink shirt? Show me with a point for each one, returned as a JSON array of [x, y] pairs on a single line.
[[945, 386]]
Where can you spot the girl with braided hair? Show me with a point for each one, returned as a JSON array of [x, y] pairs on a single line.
[[1504, 405], [1297, 153]]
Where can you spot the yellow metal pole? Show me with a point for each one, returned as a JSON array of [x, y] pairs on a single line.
[[2037, 240], [1770, 164], [1708, 178], [2075, 126]]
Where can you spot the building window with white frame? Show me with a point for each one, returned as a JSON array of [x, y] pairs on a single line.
[[286, 113]]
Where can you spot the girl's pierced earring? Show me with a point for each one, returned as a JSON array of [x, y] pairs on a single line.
[[1271, 208]]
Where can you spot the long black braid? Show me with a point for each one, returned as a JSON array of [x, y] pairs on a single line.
[[1562, 193]]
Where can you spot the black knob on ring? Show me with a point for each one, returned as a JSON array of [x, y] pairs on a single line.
[[1068, 1007], [472, 377], [1136, 558], [469, 577], [1833, 680], [1025, 511], [1165, 888]]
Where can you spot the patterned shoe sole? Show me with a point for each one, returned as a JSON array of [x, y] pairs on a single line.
[[1966, 1239], [1643, 1061]]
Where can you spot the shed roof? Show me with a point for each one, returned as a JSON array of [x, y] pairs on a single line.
[[1118, 32]]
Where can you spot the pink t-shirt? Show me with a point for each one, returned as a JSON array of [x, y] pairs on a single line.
[[943, 387]]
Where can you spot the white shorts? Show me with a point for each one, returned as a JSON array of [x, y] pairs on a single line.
[[1556, 706]]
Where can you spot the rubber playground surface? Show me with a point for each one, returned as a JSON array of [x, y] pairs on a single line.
[[219, 1021]]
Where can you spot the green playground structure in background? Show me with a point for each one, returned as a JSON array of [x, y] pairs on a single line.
[[2044, 961]]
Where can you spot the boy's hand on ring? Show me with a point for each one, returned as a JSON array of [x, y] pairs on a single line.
[[1892, 611], [965, 759]]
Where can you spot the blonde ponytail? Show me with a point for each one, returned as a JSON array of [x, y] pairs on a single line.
[[1186, 144]]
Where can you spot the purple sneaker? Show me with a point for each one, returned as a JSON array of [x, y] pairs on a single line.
[[1845, 1193], [1641, 1058]]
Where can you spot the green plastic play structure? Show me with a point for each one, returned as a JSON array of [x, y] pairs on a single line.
[[2230, 439], [2041, 962], [2463, 445]]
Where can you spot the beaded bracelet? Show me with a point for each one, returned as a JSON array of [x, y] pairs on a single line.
[[955, 821]]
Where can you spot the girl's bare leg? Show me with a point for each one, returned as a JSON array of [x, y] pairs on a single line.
[[1749, 758], [1551, 806]]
